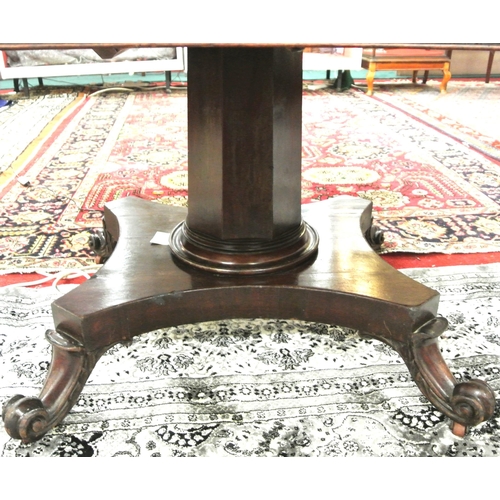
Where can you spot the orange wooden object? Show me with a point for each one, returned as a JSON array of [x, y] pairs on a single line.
[[406, 59]]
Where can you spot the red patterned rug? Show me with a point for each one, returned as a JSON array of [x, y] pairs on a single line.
[[431, 193]]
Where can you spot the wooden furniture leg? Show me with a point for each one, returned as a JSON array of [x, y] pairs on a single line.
[[489, 66], [370, 77], [446, 78], [168, 81], [245, 248], [339, 80], [29, 418], [26, 87]]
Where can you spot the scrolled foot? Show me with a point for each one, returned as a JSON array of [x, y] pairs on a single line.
[[29, 418], [466, 403], [101, 244], [375, 237], [473, 402], [25, 418]]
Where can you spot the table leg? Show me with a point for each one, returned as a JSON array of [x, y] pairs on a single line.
[[446, 78], [370, 78], [489, 66]]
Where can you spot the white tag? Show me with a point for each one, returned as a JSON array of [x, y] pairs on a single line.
[[160, 238]]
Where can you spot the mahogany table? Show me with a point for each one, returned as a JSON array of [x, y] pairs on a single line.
[[244, 248]]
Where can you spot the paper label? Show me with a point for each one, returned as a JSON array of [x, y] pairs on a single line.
[[160, 238]]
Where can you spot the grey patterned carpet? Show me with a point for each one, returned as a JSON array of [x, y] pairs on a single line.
[[259, 388]]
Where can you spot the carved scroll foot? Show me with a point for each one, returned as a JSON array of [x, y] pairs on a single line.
[[29, 418], [101, 244], [375, 237], [473, 402], [466, 403], [25, 418]]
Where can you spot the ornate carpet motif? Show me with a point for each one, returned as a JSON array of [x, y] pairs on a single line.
[[430, 192], [259, 387]]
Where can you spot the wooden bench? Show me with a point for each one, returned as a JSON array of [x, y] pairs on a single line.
[[406, 59]]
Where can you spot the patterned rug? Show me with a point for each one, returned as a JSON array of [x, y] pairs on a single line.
[[430, 192], [259, 388], [469, 111], [27, 124]]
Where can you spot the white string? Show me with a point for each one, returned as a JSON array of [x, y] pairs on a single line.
[[111, 89], [56, 277]]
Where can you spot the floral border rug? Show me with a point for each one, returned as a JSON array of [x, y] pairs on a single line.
[[260, 388], [430, 192]]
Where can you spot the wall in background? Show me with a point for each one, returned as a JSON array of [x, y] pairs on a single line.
[[468, 63], [473, 62]]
